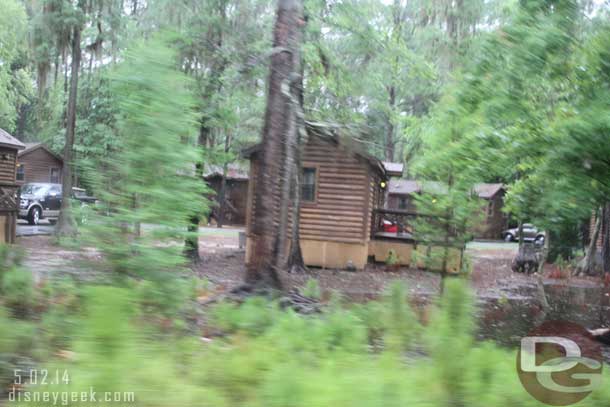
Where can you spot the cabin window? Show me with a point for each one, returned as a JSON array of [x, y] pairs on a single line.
[[20, 172], [308, 189], [490, 208], [402, 203], [54, 176]]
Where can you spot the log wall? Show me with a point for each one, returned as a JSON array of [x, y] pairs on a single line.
[[37, 165], [7, 165]]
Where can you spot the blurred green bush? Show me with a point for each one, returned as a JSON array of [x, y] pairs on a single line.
[[372, 354]]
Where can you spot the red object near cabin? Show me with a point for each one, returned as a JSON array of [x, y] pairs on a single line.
[[390, 227]]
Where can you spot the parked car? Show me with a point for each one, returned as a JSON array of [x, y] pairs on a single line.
[[43, 201], [530, 233]]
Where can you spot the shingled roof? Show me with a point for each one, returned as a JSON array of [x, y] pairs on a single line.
[[235, 171], [393, 169], [6, 140], [334, 134], [408, 186], [487, 191], [29, 147]]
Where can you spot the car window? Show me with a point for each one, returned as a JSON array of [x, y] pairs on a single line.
[[35, 189], [55, 189]]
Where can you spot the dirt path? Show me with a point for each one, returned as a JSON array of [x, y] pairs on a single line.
[[223, 264]]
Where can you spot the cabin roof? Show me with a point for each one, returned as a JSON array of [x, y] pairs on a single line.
[[393, 169], [29, 147], [333, 134], [6, 140], [487, 191], [407, 187], [235, 171]]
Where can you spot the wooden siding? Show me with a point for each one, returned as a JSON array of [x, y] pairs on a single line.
[[236, 193], [37, 165], [8, 191], [493, 220], [344, 194], [339, 212], [7, 165]]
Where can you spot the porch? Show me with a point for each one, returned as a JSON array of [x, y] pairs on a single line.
[[410, 240]]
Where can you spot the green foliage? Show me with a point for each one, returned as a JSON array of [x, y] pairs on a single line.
[[15, 84], [18, 290], [449, 338], [16, 283], [392, 258], [148, 186], [312, 289], [288, 359], [530, 112], [400, 323], [255, 315], [18, 345]]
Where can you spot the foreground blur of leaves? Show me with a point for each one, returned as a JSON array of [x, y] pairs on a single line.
[[132, 339]]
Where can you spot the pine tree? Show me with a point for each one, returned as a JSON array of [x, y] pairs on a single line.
[[149, 189]]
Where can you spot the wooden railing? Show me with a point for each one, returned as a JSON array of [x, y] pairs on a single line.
[[9, 197], [404, 225]]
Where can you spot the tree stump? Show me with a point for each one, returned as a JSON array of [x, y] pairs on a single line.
[[528, 258]]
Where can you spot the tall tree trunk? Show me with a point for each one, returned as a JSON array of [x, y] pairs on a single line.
[[588, 265], [291, 90], [65, 224], [204, 140], [222, 194], [191, 243], [390, 143], [261, 268], [295, 262], [605, 230]]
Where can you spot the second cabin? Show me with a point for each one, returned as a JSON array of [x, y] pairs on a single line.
[[342, 218]]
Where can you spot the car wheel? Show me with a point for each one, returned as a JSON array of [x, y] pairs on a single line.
[[34, 216], [509, 238]]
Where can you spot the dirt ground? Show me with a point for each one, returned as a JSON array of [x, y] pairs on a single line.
[[223, 264]]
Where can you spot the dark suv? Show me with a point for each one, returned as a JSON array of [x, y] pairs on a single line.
[[43, 200]]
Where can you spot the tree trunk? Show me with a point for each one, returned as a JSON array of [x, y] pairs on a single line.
[[588, 265], [222, 194], [261, 268], [390, 143], [191, 243], [291, 91], [65, 224], [213, 86], [295, 262], [605, 230]]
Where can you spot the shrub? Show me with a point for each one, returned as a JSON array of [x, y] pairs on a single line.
[[18, 290], [312, 289]]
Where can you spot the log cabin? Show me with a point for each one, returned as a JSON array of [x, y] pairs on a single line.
[[402, 196], [236, 192], [37, 163], [343, 214], [9, 202]]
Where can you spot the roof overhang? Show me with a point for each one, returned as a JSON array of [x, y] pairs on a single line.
[[332, 134], [6, 140], [37, 146]]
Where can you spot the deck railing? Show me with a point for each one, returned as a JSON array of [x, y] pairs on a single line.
[[9, 197], [408, 225]]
